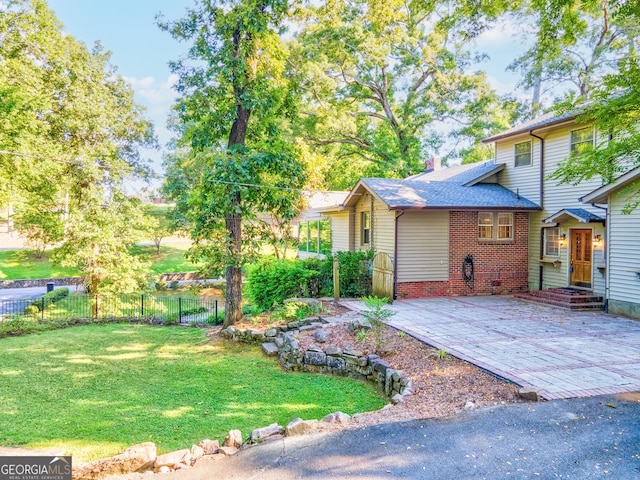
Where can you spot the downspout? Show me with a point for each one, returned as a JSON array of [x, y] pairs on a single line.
[[395, 256], [541, 197]]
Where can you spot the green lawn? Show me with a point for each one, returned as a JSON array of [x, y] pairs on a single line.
[[97, 389], [19, 264]]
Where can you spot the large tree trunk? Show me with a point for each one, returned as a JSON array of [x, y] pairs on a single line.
[[233, 223]]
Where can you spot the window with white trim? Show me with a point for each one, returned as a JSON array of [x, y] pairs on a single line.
[[366, 228], [523, 154], [495, 225], [582, 140], [552, 242]]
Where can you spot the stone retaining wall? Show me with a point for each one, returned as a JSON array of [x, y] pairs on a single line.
[[282, 341]]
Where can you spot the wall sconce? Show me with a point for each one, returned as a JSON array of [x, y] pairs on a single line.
[[562, 240], [597, 240]]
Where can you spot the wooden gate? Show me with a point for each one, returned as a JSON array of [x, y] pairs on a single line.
[[383, 276]]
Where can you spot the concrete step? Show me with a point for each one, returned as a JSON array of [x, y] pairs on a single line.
[[566, 295], [573, 306]]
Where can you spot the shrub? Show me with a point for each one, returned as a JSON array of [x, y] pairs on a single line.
[[355, 273], [31, 310], [161, 285], [293, 311], [50, 297], [377, 315], [174, 284], [271, 281]]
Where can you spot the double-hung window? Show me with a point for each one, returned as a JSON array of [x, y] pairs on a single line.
[[495, 226], [582, 140], [523, 154], [366, 228]]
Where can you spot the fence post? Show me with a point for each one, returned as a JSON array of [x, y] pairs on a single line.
[[142, 306], [216, 322], [179, 309], [42, 311], [336, 280]]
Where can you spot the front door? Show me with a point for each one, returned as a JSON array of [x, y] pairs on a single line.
[[580, 267]]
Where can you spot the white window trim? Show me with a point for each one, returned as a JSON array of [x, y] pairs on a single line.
[[495, 227], [546, 242], [572, 143], [515, 154]]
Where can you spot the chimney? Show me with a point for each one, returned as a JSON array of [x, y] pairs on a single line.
[[433, 163]]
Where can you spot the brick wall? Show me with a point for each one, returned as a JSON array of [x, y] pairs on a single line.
[[500, 267]]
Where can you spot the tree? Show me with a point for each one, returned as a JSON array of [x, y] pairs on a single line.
[[614, 109], [158, 223], [386, 80], [577, 43], [233, 115], [67, 116]]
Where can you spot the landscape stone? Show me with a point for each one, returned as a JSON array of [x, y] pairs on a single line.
[[136, 458], [196, 452], [209, 446], [333, 351], [270, 349], [469, 406], [228, 451], [315, 358], [529, 393], [322, 335], [233, 439], [173, 459], [272, 332], [260, 434], [353, 353], [297, 426], [337, 417], [335, 362], [397, 398]]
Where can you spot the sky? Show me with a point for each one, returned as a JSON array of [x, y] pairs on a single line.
[[141, 51]]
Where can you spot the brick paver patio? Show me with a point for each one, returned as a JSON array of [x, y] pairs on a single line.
[[561, 353]]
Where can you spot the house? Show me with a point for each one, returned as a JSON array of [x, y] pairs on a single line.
[[311, 229], [454, 231], [622, 260], [522, 229]]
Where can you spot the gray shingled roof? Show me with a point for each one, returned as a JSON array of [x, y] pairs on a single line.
[[545, 120], [579, 214], [460, 174], [416, 194]]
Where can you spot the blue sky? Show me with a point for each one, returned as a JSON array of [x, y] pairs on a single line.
[[141, 51]]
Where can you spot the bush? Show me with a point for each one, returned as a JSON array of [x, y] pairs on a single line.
[[50, 297], [161, 285], [31, 310], [355, 273], [377, 315], [174, 284], [271, 281]]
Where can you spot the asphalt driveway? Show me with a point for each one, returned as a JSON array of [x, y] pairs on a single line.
[[563, 354]]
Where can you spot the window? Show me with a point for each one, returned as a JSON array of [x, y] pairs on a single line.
[[487, 221], [551, 242], [581, 140], [505, 226], [366, 228], [523, 154], [485, 225]]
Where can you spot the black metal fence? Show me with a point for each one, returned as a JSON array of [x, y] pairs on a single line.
[[117, 307]]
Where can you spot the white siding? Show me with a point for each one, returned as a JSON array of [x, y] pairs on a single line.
[[382, 226], [340, 231], [556, 196], [423, 246], [624, 251]]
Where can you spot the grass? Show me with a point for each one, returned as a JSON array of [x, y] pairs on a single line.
[[98, 389], [21, 264]]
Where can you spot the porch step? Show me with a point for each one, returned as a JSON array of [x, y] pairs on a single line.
[[569, 298]]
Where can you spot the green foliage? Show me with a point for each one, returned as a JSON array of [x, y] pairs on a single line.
[[53, 296], [187, 380], [381, 78], [271, 281], [355, 273], [292, 310], [377, 315], [160, 285], [614, 110], [31, 310], [442, 354]]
